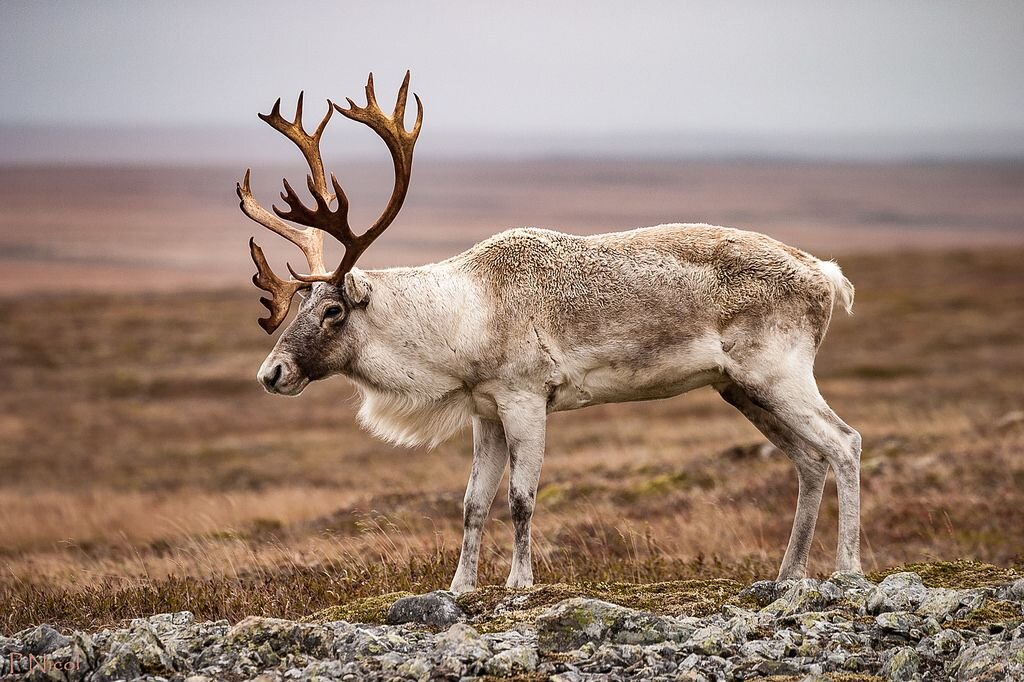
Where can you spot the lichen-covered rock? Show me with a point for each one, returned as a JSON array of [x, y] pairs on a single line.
[[807, 594], [989, 662], [876, 601], [276, 638], [901, 664], [1011, 592], [901, 623], [945, 626], [942, 645], [41, 640], [437, 609], [850, 582], [573, 622], [906, 590], [711, 641], [764, 592], [137, 652], [945, 604], [519, 660]]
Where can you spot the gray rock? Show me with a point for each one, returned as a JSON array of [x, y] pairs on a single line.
[[520, 660], [437, 609], [41, 640], [764, 592], [1012, 592], [276, 638], [807, 594], [942, 604], [901, 664], [742, 623], [901, 623], [943, 644], [417, 668], [573, 622], [991, 661], [135, 653], [464, 643], [876, 601], [812, 628], [710, 641], [904, 587], [850, 582]]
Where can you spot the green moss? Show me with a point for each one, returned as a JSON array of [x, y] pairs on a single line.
[[551, 494], [993, 613], [370, 610], [493, 609], [665, 483], [958, 574]]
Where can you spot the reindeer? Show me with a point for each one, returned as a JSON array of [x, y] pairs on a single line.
[[532, 321]]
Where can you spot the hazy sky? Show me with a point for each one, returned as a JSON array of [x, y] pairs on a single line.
[[604, 69]]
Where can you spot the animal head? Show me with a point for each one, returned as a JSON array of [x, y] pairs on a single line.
[[320, 340]]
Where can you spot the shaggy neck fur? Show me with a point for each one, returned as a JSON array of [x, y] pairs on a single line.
[[420, 340]]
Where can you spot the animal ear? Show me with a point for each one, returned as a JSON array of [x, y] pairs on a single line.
[[357, 288]]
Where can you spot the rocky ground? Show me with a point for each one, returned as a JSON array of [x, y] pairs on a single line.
[[903, 626]]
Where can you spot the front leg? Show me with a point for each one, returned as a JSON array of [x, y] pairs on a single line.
[[524, 419], [490, 453]]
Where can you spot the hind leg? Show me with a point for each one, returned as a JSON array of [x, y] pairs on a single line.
[[782, 383], [811, 470]]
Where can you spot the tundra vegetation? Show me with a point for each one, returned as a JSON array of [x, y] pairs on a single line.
[[143, 471]]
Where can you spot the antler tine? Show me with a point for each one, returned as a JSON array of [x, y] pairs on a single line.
[[311, 242], [308, 144], [400, 143], [281, 291]]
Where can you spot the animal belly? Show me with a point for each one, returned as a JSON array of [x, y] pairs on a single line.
[[618, 385]]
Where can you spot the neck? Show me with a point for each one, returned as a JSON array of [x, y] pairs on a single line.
[[422, 335]]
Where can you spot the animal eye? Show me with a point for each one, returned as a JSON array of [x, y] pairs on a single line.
[[332, 311]]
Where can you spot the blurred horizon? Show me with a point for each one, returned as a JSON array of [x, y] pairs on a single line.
[[27, 145]]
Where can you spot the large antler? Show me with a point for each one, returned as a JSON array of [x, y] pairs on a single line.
[[321, 218]]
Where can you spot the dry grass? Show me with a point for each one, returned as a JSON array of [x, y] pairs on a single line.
[[142, 469]]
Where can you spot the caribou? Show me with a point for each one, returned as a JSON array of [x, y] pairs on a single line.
[[533, 321]]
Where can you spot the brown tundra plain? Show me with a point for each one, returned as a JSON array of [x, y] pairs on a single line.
[[143, 469]]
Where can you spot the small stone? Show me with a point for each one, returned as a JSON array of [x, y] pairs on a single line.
[[520, 660], [417, 668], [1012, 592], [41, 640], [762, 592], [438, 609], [901, 623], [847, 582], [942, 644], [907, 585], [876, 602], [281, 637], [901, 664], [741, 622], [710, 641], [464, 643], [573, 622], [991, 661], [807, 594]]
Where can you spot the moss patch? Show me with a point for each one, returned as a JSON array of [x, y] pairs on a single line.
[[494, 609], [370, 610], [994, 613], [958, 574]]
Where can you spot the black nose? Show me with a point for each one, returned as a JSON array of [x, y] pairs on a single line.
[[275, 374]]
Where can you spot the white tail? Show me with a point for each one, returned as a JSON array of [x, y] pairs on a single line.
[[841, 287]]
